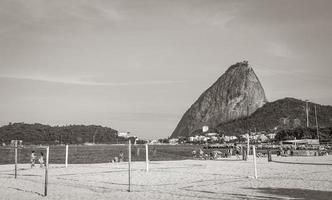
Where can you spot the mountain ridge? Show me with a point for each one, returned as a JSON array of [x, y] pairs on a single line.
[[286, 113], [236, 93]]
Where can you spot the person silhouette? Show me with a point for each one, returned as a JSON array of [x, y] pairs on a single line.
[[41, 159], [33, 159]]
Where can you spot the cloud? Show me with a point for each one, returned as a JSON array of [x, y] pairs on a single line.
[[69, 14], [279, 50], [84, 82]]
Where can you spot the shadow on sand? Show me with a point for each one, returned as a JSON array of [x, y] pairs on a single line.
[[296, 193], [295, 163], [28, 191]]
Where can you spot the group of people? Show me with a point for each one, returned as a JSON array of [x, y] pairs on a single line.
[[118, 159], [217, 154], [199, 154], [33, 159]]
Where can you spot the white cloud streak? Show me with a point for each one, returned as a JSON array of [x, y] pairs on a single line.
[[75, 81]]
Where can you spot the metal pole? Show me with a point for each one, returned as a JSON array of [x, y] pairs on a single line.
[[242, 152], [46, 170], [307, 112], [317, 124], [66, 155], [15, 158], [248, 147], [269, 156], [254, 156], [129, 160], [94, 135], [147, 157]]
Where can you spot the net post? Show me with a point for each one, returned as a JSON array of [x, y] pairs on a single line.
[[254, 158], [248, 147], [269, 157], [15, 158], [147, 157], [46, 170], [129, 160], [66, 162]]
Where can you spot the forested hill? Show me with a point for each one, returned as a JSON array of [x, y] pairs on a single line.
[[287, 113], [45, 134]]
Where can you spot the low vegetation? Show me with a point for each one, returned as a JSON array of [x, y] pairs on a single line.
[[287, 113], [71, 134], [324, 134]]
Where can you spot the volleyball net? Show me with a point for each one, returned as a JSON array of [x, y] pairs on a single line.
[[67, 163], [108, 153], [20, 162]]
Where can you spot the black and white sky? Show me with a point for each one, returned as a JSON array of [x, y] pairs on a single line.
[[137, 65]]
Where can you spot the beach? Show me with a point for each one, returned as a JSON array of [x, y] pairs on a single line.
[[284, 178]]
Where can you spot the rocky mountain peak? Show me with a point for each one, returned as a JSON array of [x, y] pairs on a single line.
[[237, 93]]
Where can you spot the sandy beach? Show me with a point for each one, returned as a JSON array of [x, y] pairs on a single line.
[[284, 178]]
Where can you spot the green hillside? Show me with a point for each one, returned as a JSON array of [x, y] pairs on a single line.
[[45, 134], [325, 134], [287, 113]]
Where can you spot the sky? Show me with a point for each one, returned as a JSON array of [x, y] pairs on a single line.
[[137, 66]]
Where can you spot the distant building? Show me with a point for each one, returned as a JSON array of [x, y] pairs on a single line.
[[229, 138], [211, 134], [191, 139], [263, 138], [203, 138], [214, 138], [303, 141], [19, 142], [123, 134], [174, 141], [244, 136], [232, 137], [271, 136], [205, 129], [153, 142]]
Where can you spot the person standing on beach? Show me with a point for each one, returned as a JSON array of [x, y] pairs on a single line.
[[121, 156], [201, 153], [41, 160], [194, 153], [280, 152], [33, 159], [237, 150]]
